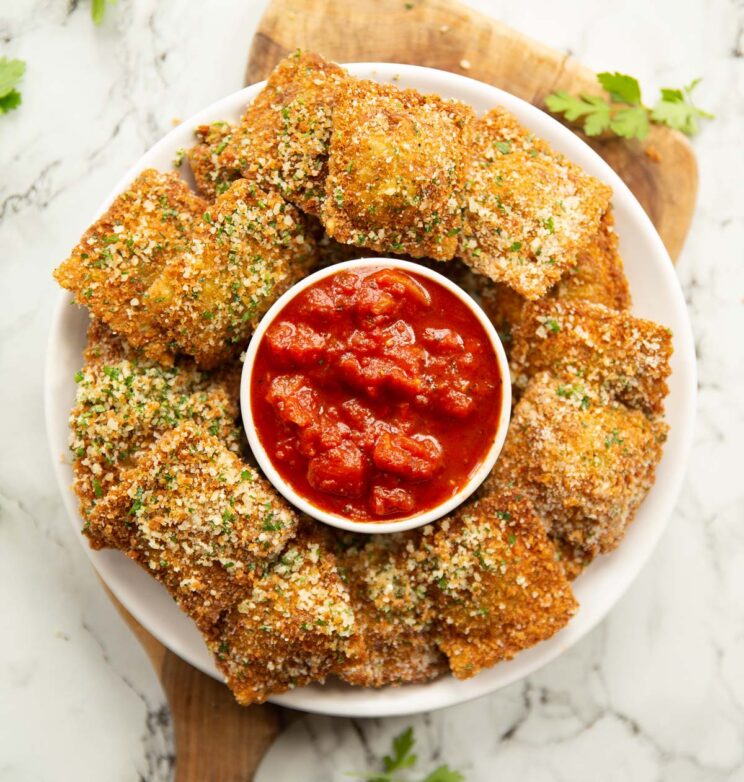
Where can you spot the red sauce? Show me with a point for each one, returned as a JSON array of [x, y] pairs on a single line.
[[376, 393]]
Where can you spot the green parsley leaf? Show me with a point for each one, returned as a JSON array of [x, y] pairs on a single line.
[[98, 9], [444, 774], [594, 109], [631, 122], [676, 110], [10, 101], [622, 88], [11, 72], [401, 757]]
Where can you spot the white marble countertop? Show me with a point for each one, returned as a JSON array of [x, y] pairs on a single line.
[[656, 692]]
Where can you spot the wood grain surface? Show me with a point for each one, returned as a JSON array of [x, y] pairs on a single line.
[[216, 740]]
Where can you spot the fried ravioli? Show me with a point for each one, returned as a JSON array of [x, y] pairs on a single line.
[[394, 644], [250, 249], [291, 627], [599, 275], [585, 461], [212, 159], [281, 142], [529, 211], [112, 267], [396, 167], [626, 356], [196, 518], [124, 402], [499, 587]]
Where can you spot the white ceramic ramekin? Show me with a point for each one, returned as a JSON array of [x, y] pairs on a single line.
[[343, 522]]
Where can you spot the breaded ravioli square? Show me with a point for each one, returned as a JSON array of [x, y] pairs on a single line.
[[394, 643], [598, 277], [120, 255], [212, 159], [281, 141], [197, 518], [626, 356], [396, 170], [250, 248], [499, 587], [291, 626], [599, 274], [529, 211], [585, 461], [125, 402]]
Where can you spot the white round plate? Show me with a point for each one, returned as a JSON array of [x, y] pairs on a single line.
[[656, 295]]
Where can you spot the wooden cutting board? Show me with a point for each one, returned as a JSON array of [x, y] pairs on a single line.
[[216, 740]]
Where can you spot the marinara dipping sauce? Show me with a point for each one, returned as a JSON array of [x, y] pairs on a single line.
[[376, 393]]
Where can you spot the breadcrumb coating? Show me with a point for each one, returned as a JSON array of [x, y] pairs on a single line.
[[125, 402], [599, 274], [387, 578], [197, 518], [499, 587], [529, 211], [585, 461], [598, 277], [112, 267], [626, 356], [210, 160], [291, 627], [282, 140], [250, 248], [396, 169]]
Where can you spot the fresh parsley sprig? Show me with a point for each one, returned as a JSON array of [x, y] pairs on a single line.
[[401, 758], [625, 114], [98, 9], [11, 72]]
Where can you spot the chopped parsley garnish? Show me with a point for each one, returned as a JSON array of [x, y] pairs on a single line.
[[613, 439]]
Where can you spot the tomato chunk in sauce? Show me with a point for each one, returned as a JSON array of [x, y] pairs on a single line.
[[376, 393]]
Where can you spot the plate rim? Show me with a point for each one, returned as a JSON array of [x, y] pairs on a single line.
[[308, 698]]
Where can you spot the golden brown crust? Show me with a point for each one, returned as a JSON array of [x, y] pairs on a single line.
[[281, 142], [250, 248], [626, 356], [124, 402], [396, 169], [118, 257], [291, 626], [585, 461], [599, 275], [211, 165], [388, 582], [499, 586], [529, 211], [196, 518]]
